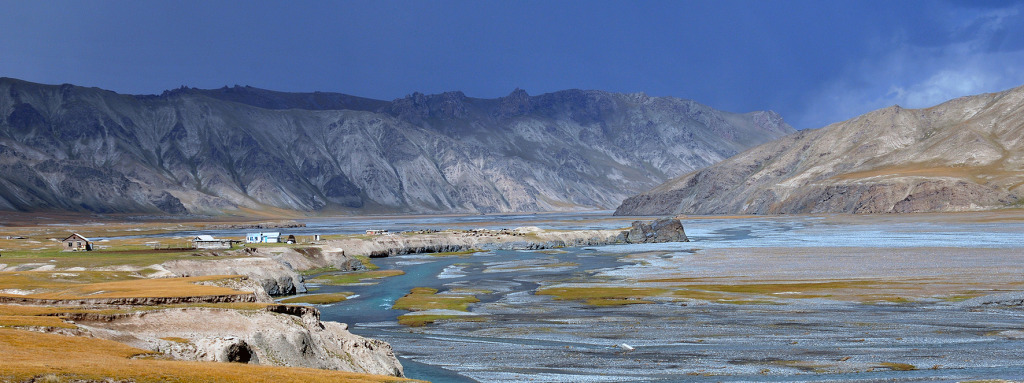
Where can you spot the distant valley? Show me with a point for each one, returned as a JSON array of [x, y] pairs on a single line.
[[965, 154], [249, 151]]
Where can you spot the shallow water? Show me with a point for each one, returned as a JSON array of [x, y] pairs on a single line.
[[531, 337]]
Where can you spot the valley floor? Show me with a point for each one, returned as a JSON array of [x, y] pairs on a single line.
[[848, 298], [924, 297]]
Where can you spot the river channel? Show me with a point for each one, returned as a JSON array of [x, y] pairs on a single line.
[[911, 319]]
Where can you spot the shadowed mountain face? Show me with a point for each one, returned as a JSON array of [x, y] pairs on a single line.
[[965, 154], [246, 150]]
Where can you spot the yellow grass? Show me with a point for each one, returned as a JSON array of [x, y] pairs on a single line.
[[415, 320], [355, 277], [79, 285], [29, 355], [319, 299], [775, 288], [898, 366], [27, 310], [425, 298], [463, 253], [604, 296], [33, 321]]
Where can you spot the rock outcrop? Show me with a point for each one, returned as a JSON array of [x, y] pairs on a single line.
[[240, 150], [274, 277], [965, 154], [265, 337], [275, 269], [658, 231], [523, 238]]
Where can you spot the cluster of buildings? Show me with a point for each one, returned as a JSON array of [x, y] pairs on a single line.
[[208, 242], [76, 242]]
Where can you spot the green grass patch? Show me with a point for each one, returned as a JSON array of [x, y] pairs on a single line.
[[348, 278], [875, 299], [367, 263], [604, 296], [319, 299], [129, 256], [425, 298], [463, 253], [464, 290], [616, 301], [960, 297]]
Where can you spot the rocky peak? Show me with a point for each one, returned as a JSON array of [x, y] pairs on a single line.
[[418, 107], [770, 121], [515, 104]]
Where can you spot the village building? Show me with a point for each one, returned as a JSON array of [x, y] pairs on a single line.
[[76, 242], [211, 243], [376, 232], [263, 237]]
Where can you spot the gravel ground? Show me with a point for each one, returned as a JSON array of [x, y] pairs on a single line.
[[910, 305]]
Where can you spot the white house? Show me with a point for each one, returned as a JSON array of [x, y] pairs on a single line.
[[263, 237], [208, 242]]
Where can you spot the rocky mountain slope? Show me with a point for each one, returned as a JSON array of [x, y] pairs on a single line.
[[243, 150], [965, 154]]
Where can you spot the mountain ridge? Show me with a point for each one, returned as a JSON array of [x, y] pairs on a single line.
[[963, 154], [69, 148]]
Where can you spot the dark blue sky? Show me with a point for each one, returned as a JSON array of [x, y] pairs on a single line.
[[814, 62]]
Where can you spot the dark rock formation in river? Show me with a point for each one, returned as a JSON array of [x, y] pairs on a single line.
[[965, 154], [658, 231], [244, 150]]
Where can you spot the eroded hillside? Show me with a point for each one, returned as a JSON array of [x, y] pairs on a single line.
[[965, 154]]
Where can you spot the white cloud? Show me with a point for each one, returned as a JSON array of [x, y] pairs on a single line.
[[922, 76]]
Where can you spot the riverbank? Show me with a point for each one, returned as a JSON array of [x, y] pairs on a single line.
[[192, 305]]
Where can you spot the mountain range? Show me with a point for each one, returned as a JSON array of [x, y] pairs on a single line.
[[964, 154], [243, 150]]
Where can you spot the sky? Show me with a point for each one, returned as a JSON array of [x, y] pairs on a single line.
[[814, 62]]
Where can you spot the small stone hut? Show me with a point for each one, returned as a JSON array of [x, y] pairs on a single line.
[[209, 242], [76, 242]]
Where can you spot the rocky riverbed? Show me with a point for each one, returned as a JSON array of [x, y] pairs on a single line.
[[893, 298]]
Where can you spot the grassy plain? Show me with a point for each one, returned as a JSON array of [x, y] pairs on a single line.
[[107, 284], [118, 268]]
